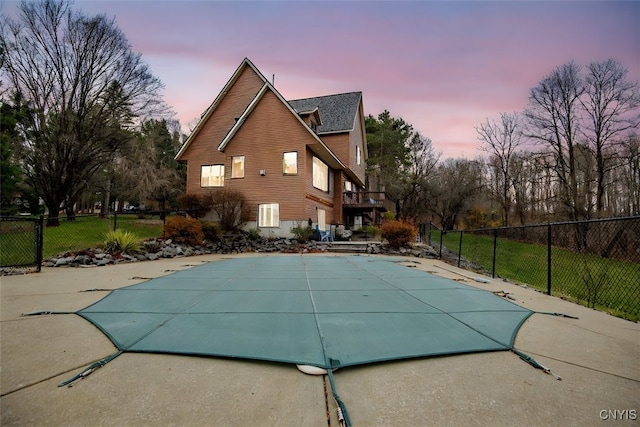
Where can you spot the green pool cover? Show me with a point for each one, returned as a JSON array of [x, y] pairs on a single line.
[[324, 311], [327, 312]]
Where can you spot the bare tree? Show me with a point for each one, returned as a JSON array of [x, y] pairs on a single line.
[[611, 106], [452, 189], [83, 82], [553, 116], [629, 182], [502, 139], [423, 159]]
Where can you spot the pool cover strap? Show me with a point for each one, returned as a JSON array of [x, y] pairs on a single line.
[[89, 369]]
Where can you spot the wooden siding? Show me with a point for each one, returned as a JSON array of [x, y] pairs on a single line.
[[270, 131], [338, 187], [339, 144], [357, 138], [333, 212], [203, 150], [316, 198]]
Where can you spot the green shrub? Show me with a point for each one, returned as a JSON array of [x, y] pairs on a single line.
[[389, 216], [302, 233], [210, 231], [253, 234], [183, 230], [369, 229], [398, 233], [121, 241]]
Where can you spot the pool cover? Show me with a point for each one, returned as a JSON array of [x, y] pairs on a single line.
[[325, 311]]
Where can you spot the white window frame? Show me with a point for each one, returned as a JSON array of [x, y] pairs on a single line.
[[358, 155], [294, 165], [237, 172], [269, 215], [319, 169], [212, 176]]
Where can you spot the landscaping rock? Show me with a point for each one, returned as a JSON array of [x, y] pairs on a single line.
[[228, 244], [63, 261], [83, 259]]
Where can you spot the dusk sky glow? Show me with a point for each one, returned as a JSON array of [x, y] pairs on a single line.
[[444, 67]]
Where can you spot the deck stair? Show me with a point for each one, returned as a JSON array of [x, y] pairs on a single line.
[[357, 246]]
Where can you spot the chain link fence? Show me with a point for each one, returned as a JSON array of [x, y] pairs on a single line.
[[595, 263], [21, 242], [25, 242]]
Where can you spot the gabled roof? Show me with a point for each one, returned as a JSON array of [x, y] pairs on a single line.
[[338, 112]]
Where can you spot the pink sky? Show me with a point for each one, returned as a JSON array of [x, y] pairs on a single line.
[[444, 67]]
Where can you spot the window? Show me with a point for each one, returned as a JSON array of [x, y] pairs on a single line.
[[320, 175], [212, 176], [290, 163], [322, 219], [357, 223], [269, 215], [358, 155], [237, 167], [348, 186]]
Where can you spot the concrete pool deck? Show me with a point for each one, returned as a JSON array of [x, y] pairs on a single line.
[[597, 356]]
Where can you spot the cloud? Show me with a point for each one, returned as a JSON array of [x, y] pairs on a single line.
[[443, 66]]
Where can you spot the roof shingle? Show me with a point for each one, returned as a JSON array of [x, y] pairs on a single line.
[[337, 112]]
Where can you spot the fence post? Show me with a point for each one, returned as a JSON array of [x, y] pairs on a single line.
[[495, 244], [39, 243], [549, 259], [460, 249]]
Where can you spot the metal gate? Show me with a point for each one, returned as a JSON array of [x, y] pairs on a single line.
[[21, 242]]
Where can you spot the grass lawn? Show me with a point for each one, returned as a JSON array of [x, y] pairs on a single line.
[[573, 276], [88, 232]]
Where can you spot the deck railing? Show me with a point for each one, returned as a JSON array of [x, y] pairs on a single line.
[[367, 199]]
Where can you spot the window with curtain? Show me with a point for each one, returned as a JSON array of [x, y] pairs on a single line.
[[269, 215], [320, 175], [212, 176], [237, 167], [290, 163]]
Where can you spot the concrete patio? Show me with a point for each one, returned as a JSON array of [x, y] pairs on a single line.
[[597, 356]]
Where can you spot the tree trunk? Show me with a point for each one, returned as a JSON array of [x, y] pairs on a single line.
[[70, 211], [106, 200]]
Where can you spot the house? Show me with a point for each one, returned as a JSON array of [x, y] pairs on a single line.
[[293, 161]]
